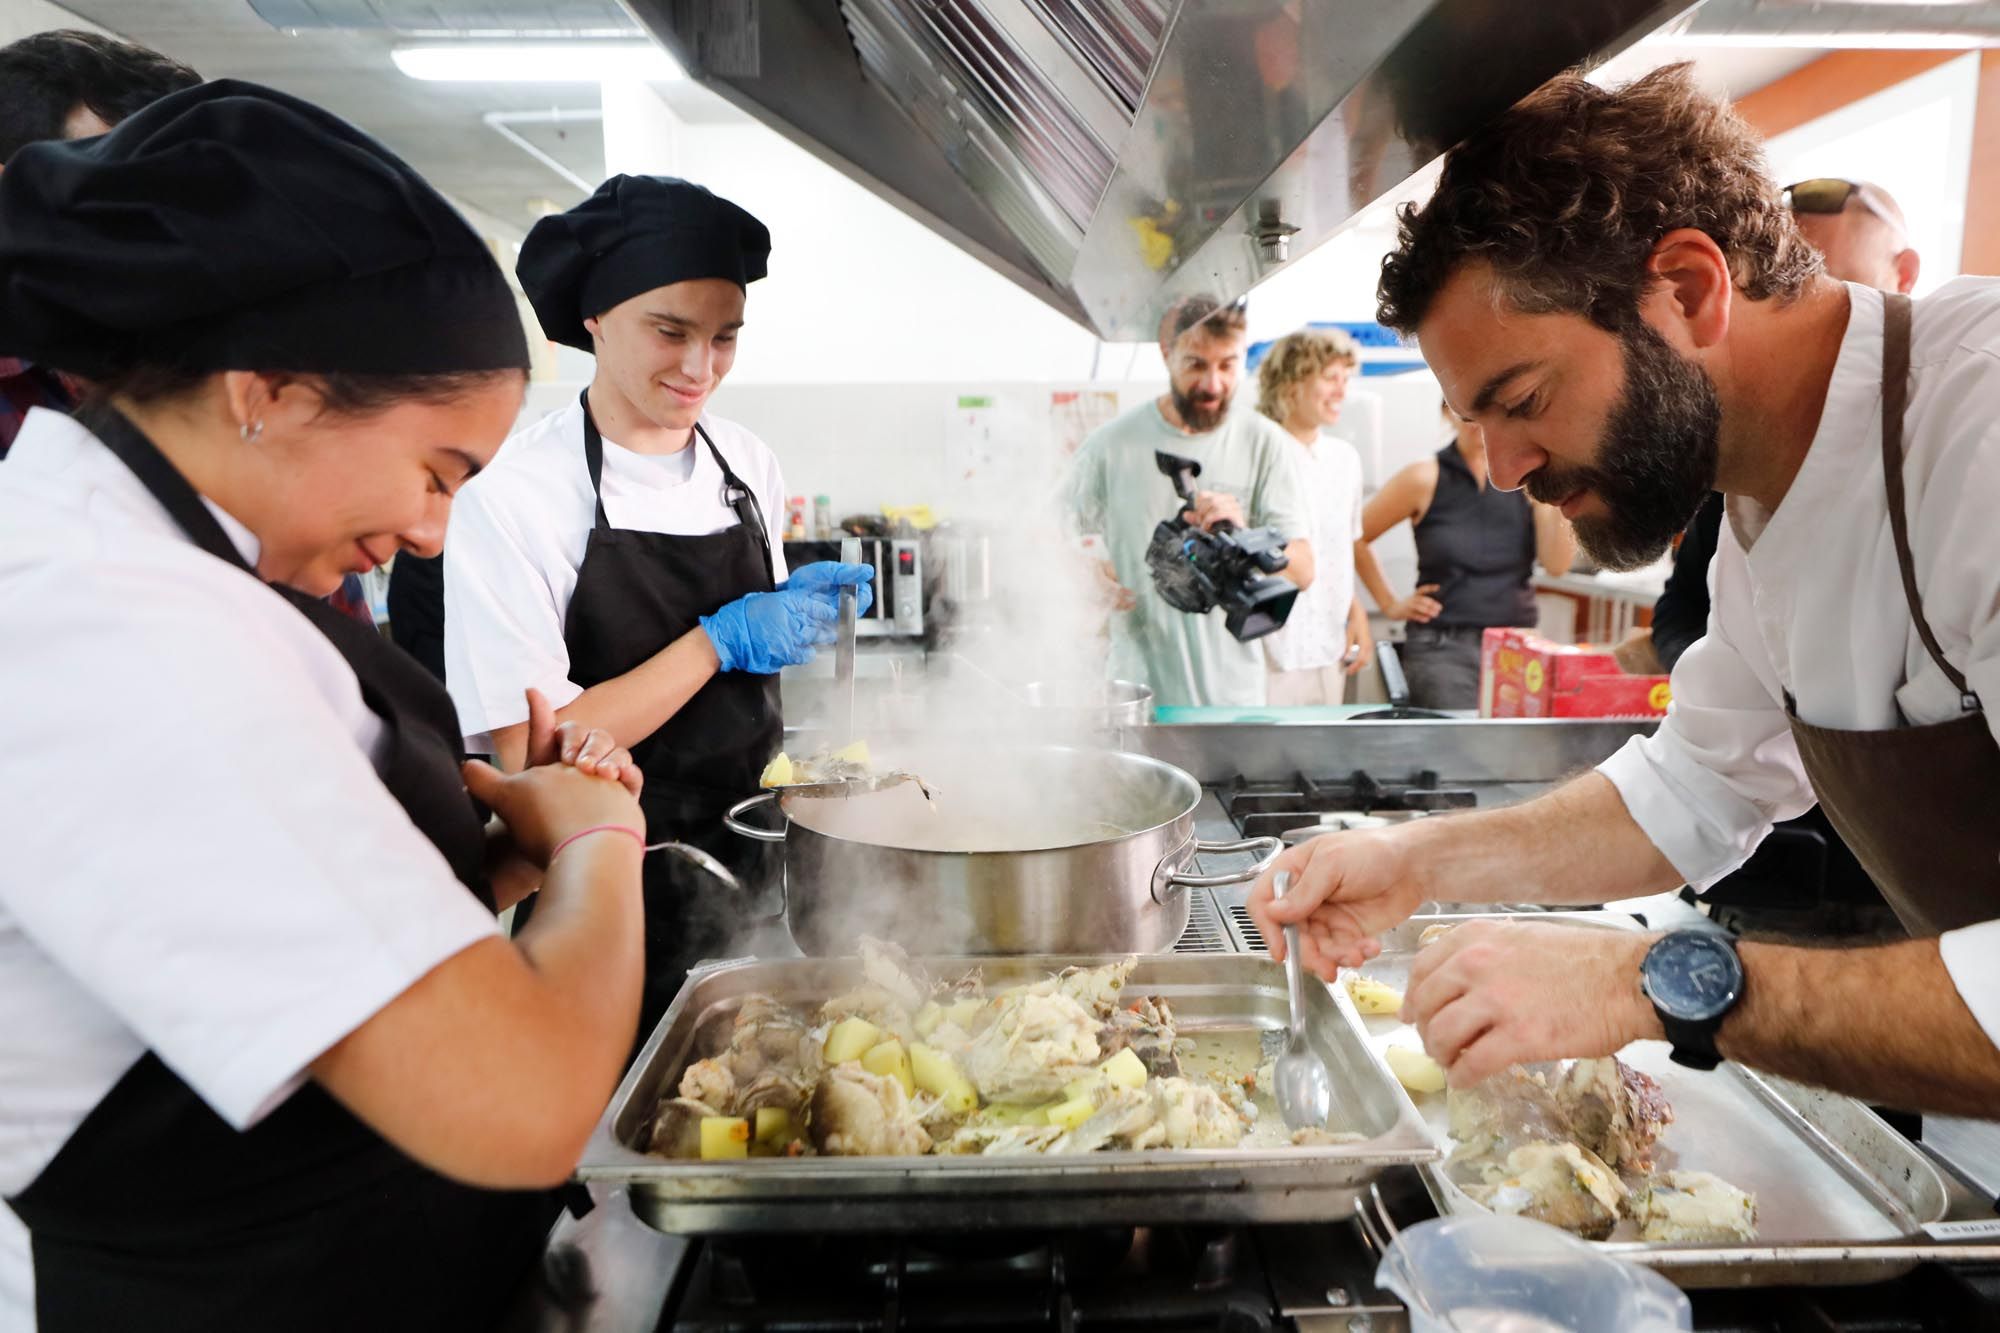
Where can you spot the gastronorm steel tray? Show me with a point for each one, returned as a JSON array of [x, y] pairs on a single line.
[[1832, 1179], [1209, 993]]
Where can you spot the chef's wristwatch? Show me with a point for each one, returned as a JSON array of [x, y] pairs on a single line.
[[1693, 979]]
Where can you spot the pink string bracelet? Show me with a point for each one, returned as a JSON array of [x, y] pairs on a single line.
[[626, 829]]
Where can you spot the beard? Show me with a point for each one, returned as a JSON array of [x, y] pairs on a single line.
[[1203, 413], [1656, 462]]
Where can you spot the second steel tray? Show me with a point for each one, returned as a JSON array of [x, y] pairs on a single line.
[[1831, 1177]]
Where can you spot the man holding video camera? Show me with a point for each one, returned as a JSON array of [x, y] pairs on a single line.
[[1121, 491]]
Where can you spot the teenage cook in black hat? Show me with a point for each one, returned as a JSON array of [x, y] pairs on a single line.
[[269, 1063], [625, 558]]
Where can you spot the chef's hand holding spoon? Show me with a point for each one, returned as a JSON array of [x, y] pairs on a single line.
[[1347, 888]]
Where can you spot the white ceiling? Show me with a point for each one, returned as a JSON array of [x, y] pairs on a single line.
[[436, 126]]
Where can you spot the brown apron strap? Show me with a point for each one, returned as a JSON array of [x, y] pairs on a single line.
[[1896, 397]]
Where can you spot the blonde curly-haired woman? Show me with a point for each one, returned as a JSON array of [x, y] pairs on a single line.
[[1301, 385]]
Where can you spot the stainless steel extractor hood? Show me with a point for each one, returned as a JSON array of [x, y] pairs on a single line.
[[1111, 155]]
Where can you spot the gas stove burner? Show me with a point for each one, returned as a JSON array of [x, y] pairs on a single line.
[[1313, 805], [1113, 1278]]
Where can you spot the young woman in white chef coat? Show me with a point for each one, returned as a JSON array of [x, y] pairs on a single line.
[[624, 556], [270, 1065]]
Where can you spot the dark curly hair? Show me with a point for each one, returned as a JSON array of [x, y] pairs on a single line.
[[1566, 194], [45, 77]]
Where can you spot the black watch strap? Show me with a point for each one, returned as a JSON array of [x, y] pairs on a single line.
[[1693, 1040], [1693, 1043]]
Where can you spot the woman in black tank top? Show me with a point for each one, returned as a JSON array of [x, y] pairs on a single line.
[[1477, 548]]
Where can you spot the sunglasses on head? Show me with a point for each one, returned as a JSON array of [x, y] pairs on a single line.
[[1829, 194]]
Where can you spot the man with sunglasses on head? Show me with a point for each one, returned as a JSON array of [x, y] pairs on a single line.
[[1611, 285], [1859, 230]]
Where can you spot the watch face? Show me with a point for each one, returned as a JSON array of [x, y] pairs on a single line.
[[1693, 975]]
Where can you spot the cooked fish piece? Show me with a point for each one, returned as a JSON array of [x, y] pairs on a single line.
[[1513, 1106], [1123, 1117], [1557, 1183], [1694, 1208], [1432, 934], [1034, 1045], [1098, 989], [859, 1114], [878, 1005], [1001, 1140], [1147, 1030], [774, 1088], [676, 1127], [887, 966], [1195, 1115], [709, 1081], [1615, 1111], [1314, 1137], [766, 1036]]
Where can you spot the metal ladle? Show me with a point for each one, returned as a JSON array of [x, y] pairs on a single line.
[[1304, 1089]]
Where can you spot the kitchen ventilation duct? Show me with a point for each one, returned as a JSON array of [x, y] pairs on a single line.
[[1111, 155]]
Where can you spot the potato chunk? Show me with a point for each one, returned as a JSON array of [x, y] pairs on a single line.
[[1373, 997], [1069, 1114], [890, 1060], [935, 1073], [1415, 1070], [851, 1039], [1125, 1069], [774, 1125], [724, 1137]]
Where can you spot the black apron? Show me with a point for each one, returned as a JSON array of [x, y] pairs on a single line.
[[156, 1214], [1914, 803], [637, 592]]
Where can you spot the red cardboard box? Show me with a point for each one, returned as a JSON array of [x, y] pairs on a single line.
[[1521, 674]]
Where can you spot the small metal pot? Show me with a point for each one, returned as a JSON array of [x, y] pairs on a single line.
[[1102, 705], [1040, 850]]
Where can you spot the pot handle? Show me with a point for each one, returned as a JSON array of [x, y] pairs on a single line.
[[733, 818], [1173, 882]]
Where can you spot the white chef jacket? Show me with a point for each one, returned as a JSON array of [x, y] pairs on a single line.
[[200, 860], [1808, 598], [517, 538], [1315, 633]]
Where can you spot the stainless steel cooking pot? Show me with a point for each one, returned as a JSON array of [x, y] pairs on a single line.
[[1020, 851], [1086, 705]]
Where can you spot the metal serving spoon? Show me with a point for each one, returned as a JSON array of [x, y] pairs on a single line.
[[1304, 1089]]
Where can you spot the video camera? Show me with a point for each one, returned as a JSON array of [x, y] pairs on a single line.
[[1229, 567]]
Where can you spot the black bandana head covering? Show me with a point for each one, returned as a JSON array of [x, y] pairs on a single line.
[[231, 227], [635, 234]]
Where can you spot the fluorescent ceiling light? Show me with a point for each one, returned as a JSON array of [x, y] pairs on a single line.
[[552, 62]]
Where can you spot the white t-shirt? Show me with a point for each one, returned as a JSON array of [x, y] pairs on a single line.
[[1315, 634], [517, 537], [1816, 606], [200, 859]]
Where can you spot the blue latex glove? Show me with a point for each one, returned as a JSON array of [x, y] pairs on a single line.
[[831, 576], [761, 632]]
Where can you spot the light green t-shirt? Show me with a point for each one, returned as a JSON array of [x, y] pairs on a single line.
[[1117, 490]]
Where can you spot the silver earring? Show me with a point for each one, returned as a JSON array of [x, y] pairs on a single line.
[[251, 431]]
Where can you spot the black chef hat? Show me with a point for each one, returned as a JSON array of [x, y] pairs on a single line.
[[231, 227], [636, 233]]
